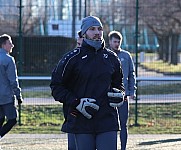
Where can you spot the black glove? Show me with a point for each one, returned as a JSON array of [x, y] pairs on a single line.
[[116, 98], [87, 107], [20, 100]]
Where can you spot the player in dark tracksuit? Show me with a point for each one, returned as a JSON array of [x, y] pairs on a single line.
[[81, 81]]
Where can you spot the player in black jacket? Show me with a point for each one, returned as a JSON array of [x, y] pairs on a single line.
[[88, 81]]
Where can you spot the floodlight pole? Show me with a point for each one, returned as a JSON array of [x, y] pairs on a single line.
[[136, 64]]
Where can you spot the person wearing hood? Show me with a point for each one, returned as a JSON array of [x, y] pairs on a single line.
[[88, 81]]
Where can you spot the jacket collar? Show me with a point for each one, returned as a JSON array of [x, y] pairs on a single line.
[[87, 46], [3, 50]]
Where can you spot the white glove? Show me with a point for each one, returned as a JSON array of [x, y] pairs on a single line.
[[87, 103], [116, 98]]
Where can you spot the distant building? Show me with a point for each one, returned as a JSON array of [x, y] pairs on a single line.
[[62, 27]]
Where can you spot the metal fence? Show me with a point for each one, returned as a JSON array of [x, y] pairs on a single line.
[[157, 104], [41, 31], [149, 26], [158, 101]]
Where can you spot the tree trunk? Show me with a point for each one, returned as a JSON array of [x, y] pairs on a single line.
[[165, 48], [160, 50], [174, 49]]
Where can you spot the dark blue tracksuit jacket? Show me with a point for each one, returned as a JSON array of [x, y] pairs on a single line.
[[87, 73]]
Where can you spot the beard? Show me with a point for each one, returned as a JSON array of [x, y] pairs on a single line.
[[95, 38]]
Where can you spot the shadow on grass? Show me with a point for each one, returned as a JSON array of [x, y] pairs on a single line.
[[160, 141]]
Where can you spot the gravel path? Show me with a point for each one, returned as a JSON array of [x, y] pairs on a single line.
[[59, 142]]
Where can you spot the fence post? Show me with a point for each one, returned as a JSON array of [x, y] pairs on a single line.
[[20, 51], [136, 66]]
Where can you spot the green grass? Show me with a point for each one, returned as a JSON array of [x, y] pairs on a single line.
[[40, 119], [169, 88], [37, 94], [162, 67], [156, 119], [152, 119]]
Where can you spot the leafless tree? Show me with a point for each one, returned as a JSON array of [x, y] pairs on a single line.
[[163, 17], [8, 18], [31, 17]]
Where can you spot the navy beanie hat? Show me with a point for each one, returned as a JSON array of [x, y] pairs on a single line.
[[88, 22]]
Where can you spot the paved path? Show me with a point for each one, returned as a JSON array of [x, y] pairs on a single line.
[[59, 142], [166, 98]]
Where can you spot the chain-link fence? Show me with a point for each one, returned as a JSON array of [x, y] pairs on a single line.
[[43, 30]]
